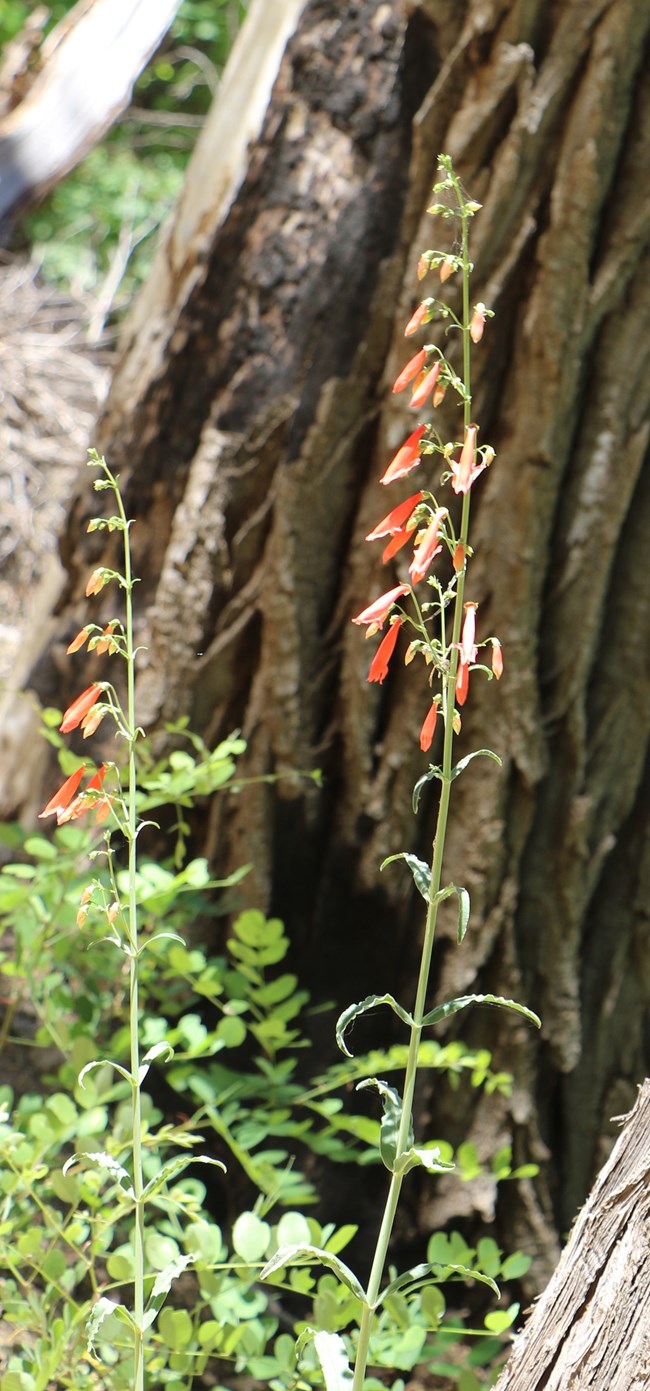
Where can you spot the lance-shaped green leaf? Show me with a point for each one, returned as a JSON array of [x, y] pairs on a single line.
[[434, 772], [390, 1121], [462, 1001], [104, 1062], [430, 1273], [419, 869], [428, 1159], [102, 1309], [463, 905], [162, 1285], [478, 753], [304, 1254], [353, 1011], [101, 1160], [176, 1166], [332, 1355]]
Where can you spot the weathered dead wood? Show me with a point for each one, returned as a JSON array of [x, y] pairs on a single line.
[[87, 69], [590, 1329], [250, 419]]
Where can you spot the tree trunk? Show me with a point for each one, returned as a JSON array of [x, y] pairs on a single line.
[[590, 1327], [250, 419]]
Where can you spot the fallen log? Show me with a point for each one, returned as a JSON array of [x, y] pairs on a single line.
[[88, 66]]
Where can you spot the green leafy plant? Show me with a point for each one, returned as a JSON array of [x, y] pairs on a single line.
[[116, 1274], [442, 631]]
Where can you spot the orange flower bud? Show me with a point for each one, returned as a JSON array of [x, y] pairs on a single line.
[[96, 582], [447, 268], [497, 659], [477, 323], [428, 727], [413, 368], [78, 642]]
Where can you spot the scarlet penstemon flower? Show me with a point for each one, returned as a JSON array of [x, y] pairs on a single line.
[[419, 316], [497, 659], [379, 665], [64, 795], [466, 469], [424, 386], [395, 519], [449, 657], [76, 712], [427, 547], [406, 458], [413, 368], [428, 727], [377, 612], [477, 323]]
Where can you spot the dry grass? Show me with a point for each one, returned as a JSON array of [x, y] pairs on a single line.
[[52, 384]]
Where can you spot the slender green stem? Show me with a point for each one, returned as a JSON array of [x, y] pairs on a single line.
[[134, 967], [410, 1076]]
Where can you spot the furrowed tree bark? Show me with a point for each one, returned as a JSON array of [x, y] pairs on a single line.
[[250, 419], [590, 1327]]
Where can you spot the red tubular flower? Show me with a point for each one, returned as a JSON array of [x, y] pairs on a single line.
[[63, 797], [426, 732], [379, 664], [406, 458], [82, 804], [462, 682], [497, 659], [398, 539], [465, 470], [468, 653], [92, 720], [428, 547], [96, 581], [395, 519], [424, 386], [419, 316], [413, 368], [78, 642], [378, 611], [79, 708]]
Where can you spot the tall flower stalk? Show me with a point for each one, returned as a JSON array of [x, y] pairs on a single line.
[[86, 713], [420, 607]]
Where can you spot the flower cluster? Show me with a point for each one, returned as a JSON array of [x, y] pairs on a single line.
[[420, 520], [86, 713]]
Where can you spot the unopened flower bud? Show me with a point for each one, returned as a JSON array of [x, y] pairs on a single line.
[[447, 268], [477, 323], [497, 659], [459, 558]]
